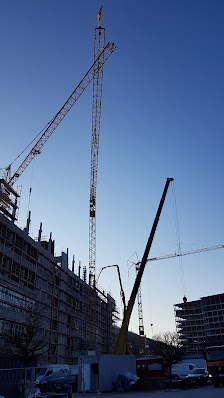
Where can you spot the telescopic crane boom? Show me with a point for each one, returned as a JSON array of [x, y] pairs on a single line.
[[118, 349]]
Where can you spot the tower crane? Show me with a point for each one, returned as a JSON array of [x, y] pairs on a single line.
[[202, 250], [96, 114], [196, 251], [6, 202], [140, 312], [120, 343]]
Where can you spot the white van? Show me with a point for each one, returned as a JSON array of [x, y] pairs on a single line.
[[52, 374], [182, 370]]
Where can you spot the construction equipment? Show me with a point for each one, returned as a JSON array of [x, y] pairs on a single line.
[[96, 113], [100, 60], [140, 312], [180, 254], [120, 343], [202, 250], [126, 345], [8, 206], [119, 277]]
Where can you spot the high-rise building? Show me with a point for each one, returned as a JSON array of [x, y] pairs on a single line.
[[200, 323]]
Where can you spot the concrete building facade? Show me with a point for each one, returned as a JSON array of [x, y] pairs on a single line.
[[32, 276], [200, 323]]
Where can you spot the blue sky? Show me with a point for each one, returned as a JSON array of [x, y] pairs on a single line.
[[162, 116]]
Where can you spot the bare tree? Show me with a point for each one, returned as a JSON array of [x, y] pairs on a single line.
[[28, 342], [168, 346]]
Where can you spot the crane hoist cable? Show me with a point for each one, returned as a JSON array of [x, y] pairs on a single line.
[[33, 140], [181, 267], [56, 120]]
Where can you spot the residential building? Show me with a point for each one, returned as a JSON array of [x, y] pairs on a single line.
[[200, 323], [31, 275]]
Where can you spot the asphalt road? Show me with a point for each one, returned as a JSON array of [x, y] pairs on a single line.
[[206, 392]]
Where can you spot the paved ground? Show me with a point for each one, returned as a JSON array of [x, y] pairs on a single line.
[[201, 392]]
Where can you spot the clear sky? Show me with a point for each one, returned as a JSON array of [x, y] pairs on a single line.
[[162, 116]]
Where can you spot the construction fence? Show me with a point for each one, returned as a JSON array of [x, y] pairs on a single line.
[[20, 383], [17, 382]]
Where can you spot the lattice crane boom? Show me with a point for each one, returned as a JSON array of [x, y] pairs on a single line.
[[140, 312], [196, 251], [98, 63]]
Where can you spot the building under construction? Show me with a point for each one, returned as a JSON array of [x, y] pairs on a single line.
[[74, 316], [200, 323], [32, 277]]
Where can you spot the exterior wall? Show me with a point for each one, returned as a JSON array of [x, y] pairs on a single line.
[[114, 365], [30, 274], [201, 323], [107, 368]]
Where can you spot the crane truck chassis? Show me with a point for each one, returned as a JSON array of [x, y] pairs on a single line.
[[215, 364]]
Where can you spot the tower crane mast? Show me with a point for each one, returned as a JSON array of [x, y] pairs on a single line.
[[140, 312], [99, 42]]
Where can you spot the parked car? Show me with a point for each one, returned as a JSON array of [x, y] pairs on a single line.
[[198, 375]]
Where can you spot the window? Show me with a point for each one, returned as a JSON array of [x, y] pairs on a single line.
[[154, 366]]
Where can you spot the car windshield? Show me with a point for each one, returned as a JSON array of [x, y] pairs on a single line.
[[41, 371], [199, 371]]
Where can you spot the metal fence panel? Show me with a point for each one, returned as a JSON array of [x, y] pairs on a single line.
[[17, 382]]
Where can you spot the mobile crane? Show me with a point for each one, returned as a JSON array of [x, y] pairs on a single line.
[[120, 343]]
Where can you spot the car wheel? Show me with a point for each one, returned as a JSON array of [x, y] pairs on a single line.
[[43, 387]]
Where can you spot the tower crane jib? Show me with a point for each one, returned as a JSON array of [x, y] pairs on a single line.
[[99, 61]]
